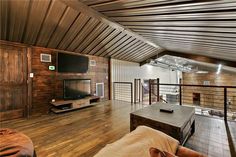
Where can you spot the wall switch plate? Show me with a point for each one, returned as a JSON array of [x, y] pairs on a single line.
[[51, 67], [31, 75]]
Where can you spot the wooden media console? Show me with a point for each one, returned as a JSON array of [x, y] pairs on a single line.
[[60, 106]]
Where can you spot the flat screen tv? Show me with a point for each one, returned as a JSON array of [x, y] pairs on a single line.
[[76, 88], [68, 63]]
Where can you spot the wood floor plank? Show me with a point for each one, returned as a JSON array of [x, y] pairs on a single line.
[[84, 132]]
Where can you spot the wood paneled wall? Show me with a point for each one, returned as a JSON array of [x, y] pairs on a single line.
[[48, 85], [222, 79], [210, 97], [43, 90]]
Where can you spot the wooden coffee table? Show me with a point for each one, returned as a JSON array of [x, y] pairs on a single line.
[[179, 124]]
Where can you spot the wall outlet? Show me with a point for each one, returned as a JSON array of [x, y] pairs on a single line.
[[31, 75]]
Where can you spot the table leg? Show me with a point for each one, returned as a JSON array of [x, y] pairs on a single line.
[[131, 123], [193, 127]]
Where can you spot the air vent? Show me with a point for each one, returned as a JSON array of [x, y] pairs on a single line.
[[45, 57], [92, 63], [100, 90]]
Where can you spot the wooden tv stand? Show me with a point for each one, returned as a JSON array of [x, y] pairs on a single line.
[[60, 106]]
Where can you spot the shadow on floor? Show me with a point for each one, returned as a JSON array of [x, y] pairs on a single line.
[[230, 140]]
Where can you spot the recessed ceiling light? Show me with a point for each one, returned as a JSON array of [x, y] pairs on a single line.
[[219, 69], [201, 72]]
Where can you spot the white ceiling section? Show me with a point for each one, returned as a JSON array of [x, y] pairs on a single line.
[[205, 27], [76, 28], [131, 30], [188, 65]]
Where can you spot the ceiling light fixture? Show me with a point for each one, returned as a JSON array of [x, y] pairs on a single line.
[[219, 69], [201, 72]]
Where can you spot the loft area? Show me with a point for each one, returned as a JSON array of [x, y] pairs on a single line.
[[78, 75], [110, 77]]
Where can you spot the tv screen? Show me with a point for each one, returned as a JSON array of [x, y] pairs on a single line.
[[68, 63], [77, 88]]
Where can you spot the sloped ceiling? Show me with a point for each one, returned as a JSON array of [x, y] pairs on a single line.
[[189, 26], [54, 24], [132, 30]]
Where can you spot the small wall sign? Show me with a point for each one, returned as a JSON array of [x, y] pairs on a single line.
[[51, 67]]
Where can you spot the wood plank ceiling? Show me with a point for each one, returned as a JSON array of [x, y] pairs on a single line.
[[54, 24], [189, 26]]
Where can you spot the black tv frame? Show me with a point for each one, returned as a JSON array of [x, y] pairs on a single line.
[[57, 62], [65, 98]]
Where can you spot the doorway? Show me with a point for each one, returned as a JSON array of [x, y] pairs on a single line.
[[14, 85], [196, 99]]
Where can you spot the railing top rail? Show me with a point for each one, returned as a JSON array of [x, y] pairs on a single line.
[[213, 86], [123, 82]]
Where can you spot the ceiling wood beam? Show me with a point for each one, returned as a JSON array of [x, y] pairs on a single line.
[[199, 58]]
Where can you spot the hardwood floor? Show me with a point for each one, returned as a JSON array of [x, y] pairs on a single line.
[[84, 132]]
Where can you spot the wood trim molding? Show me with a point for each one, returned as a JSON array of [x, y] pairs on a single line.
[[11, 43], [5, 42]]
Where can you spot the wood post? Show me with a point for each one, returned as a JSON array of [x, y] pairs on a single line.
[[140, 87], [225, 103], [150, 92], [158, 90], [114, 98], [142, 93], [109, 79], [131, 92], [180, 92], [135, 90]]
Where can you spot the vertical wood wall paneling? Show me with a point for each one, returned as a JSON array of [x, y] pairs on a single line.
[[48, 85], [210, 97], [43, 81], [45, 85]]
